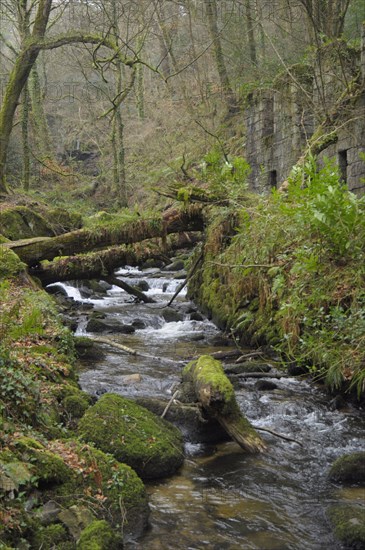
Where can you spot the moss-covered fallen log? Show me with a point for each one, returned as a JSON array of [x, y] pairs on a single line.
[[216, 395], [32, 252], [98, 265]]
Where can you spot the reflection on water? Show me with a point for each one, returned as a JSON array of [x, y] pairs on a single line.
[[222, 498]]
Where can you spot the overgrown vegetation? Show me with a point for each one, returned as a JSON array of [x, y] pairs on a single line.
[[291, 272]]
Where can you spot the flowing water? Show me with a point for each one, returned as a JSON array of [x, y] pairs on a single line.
[[223, 498]]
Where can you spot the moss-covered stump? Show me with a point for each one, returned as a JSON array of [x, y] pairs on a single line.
[[149, 444], [349, 525], [216, 395], [349, 468], [99, 536]]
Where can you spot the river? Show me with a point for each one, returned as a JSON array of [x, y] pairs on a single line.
[[223, 498]]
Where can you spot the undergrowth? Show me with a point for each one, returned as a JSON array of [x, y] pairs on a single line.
[[294, 273]]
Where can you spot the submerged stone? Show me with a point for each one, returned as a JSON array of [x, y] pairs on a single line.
[[149, 444]]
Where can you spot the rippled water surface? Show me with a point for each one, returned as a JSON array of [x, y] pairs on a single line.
[[222, 498]]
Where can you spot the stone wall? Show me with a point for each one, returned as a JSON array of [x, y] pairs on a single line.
[[280, 121]]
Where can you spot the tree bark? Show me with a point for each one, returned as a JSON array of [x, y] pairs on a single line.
[[33, 251], [216, 395]]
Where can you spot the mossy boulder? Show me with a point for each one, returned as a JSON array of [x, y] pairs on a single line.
[[10, 263], [349, 468], [134, 435], [99, 536], [21, 222], [112, 490], [349, 525]]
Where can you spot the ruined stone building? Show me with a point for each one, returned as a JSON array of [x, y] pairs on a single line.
[[282, 120]]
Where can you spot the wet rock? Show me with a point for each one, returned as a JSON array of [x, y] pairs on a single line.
[[98, 325], [296, 370], [220, 341], [349, 526], [130, 379], [152, 263], [265, 385], [149, 444], [181, 275], [177, 265], [143, 285], [196, 337], [249, 366], [138, 324], [56, 289], [337, 403], [196, 316], [165, 286], [87, 349], [171, 315], [349, 468]]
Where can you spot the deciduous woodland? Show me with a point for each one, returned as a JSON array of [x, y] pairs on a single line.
[[182, 275]]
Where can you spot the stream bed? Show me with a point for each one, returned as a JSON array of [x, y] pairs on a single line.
[[223, 498]]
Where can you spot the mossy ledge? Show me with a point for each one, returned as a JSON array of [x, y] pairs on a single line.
[[41, 405], [349, 525], [349, 468], [134, 435]]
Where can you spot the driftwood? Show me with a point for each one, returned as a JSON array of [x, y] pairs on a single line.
[[215, 394], [130, 289], [130, 351], [33, 251]]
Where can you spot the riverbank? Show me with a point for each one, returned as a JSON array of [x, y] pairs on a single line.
[[287, 270]]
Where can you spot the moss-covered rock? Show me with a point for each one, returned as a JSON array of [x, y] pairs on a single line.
[[99, 536], [111, 489], [349, 468], [134, 435], [21, 222], [75, 405], [10, 264], [49, 537], [349, 525]]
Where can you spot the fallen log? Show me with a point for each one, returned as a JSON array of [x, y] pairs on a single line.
[[97, 265], [33, 251], [215, 394]]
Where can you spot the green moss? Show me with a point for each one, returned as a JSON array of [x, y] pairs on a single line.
[[99, 536], [75, 405], [150, 445], [21, 222], [349, 525], [349, 468], [207, 370], [49, 537], [48, 467], [113, 490], [10, 264]]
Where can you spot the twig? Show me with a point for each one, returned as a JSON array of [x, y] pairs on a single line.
[[169, 404], [285, 437], [184, 283]]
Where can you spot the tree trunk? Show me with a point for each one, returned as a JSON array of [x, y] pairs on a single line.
[[251, 33], [25, 140], [40, 125], [227, 92], [18, 77], [100, 264], [216, 395], [33, 251]]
